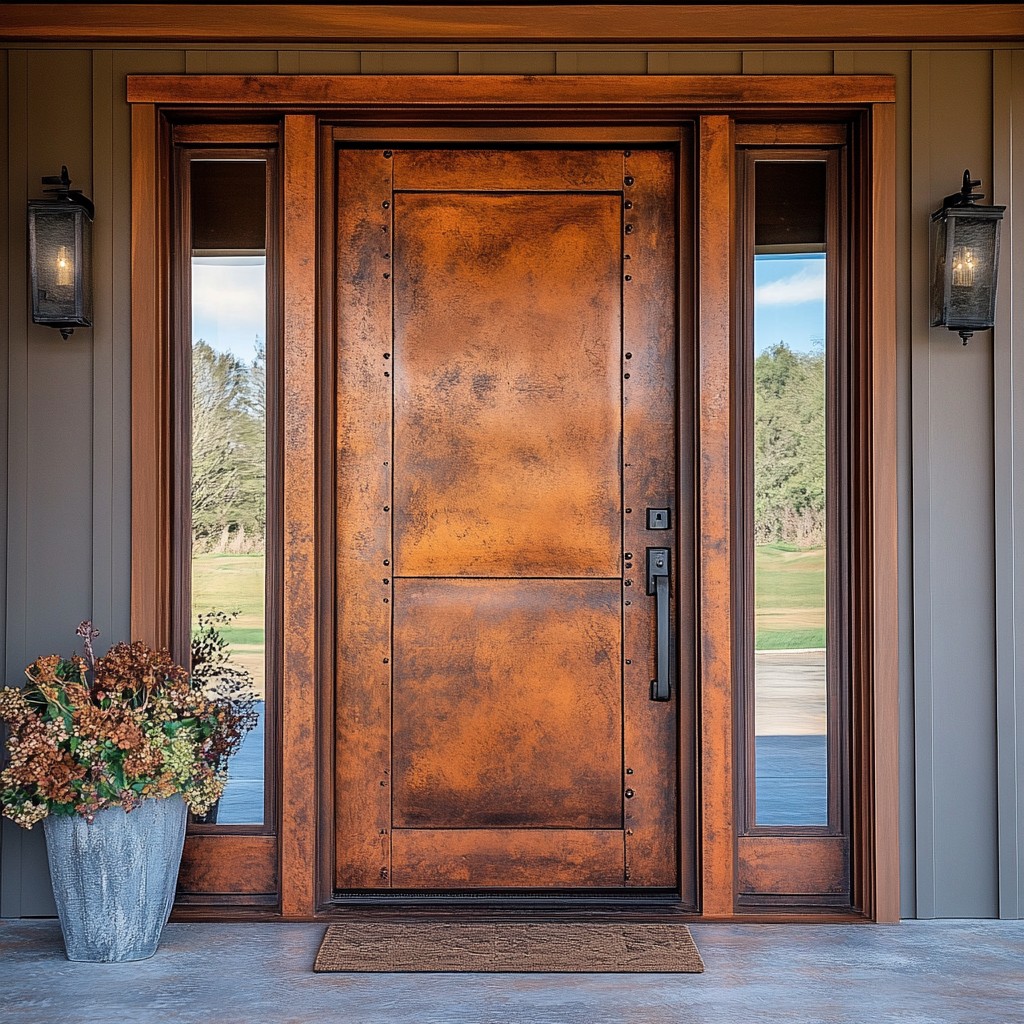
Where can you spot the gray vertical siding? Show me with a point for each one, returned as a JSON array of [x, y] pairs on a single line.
[[1008, 377], [50, 449], [65, 439], [954, 542]]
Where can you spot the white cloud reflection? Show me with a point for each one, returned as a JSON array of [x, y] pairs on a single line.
[[805, 285], [229, 303]]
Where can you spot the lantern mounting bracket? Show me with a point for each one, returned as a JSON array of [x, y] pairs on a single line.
[[64, 191], [967, 196]]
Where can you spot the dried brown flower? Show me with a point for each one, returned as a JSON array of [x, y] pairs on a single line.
[[138, 728]]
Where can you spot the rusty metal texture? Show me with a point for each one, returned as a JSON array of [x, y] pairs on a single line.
[[507, 426], [505, 169], [649, 481], [507, 704], [363, 523], [497, 858], [483, 713]]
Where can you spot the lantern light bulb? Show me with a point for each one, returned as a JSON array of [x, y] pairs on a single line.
[[65, 267], [963, 268]]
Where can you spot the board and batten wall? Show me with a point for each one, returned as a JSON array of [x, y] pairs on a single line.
[[65, 451]]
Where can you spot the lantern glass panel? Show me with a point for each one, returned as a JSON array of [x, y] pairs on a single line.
[[938, 289], [61, 259], [971, 253], [965, 262]]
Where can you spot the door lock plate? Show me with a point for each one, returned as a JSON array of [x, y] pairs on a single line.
[[659, 519]]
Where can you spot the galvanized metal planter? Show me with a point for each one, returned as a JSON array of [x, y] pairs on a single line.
[[114, 879]]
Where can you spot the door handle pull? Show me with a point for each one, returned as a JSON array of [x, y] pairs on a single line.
[[657, 584]]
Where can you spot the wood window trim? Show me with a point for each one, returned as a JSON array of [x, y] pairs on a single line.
[[226, 863], [838, 273], [512, 25], [786, 865], [712, 103]]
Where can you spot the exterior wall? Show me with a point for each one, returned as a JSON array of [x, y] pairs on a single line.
[[1008, 127], [64, 444], [952, 488]]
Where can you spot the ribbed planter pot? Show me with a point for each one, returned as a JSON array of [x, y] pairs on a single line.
[[114, 879]]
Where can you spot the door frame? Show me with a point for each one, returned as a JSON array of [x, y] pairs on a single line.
[[559, 108]]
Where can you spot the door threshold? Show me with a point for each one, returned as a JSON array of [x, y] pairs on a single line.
[[655, 906]]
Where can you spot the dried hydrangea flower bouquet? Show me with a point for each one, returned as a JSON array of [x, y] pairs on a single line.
[[110, 753]]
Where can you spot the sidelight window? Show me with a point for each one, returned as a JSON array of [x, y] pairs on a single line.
[[794, 751], [226, 361]]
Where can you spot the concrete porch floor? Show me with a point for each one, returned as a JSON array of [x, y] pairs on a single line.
[[915, 973]]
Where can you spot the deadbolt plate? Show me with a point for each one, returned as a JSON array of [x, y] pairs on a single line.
[[659, 519]]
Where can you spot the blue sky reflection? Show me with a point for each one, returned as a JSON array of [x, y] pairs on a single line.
[[789, 301]]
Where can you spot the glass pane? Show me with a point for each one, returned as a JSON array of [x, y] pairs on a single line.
[[229, 445], [790, 721]]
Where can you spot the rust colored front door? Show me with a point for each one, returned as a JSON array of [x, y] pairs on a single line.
[[506, 416]]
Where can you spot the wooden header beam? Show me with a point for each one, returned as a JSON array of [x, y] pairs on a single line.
[[513, 25], [540, 91]]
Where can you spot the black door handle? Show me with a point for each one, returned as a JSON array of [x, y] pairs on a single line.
[[657, 584]]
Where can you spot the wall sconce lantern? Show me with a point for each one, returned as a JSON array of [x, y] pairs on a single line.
[[965, 261], [60, 256]]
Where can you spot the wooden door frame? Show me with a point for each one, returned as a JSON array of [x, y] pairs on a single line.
[[513, 108]]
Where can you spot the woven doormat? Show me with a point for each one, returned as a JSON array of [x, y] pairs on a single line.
[[509, 947]]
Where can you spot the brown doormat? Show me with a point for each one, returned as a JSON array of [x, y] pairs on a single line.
[[509, 947]]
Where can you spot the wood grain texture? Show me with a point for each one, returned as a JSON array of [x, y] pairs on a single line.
[[220, 865], [151, 468], [298, 703], [582, 92], [648, 362], [225, 134], [179, 398], [883, 728], [782, 860], [507, 858], [620, 947], [687, 639], [363, 519], [838, 277], [507, 706], [714, 388], [787, 865], [775, 133], [507, 333], [484, 23]]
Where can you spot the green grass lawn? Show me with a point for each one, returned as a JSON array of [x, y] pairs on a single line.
[[789, 595], [789, 587], [230, 582]]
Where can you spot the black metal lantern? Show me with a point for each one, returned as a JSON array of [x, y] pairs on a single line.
[[60, 256], [965, 261]]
